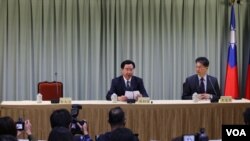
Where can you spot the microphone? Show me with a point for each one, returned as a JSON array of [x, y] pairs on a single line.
[[56, 83], [55, 76], [57, 90], [213, 99]]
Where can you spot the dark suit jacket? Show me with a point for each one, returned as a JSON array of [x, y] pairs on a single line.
[[104, 137], [191, 85], [107, 136], [118, 86]]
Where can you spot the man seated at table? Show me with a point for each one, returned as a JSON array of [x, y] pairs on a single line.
[[126, 82], [204, 85], [62, 118], [116, 120]]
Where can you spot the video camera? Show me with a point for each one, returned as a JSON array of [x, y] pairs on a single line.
[[200, 136], [20, 124], [75, 129]]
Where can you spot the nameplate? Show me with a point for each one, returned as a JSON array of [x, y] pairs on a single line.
[[65, 100], [143, 100], [225, 99], [235, 132]]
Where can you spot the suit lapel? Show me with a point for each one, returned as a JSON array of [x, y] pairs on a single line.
[[132, 82], [123, 83], [197, 83], [208, 84]]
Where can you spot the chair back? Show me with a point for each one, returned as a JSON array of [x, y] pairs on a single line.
[[51, 90]]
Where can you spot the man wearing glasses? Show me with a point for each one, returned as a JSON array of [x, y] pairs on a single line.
[[201, 83]]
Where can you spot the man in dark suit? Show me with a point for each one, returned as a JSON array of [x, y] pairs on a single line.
[[126, 82], [204, 85]]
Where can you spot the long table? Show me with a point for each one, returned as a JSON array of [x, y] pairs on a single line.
[[161, 120]]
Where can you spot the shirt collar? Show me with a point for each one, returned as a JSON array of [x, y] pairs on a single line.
[[125, 80], [205, 77]]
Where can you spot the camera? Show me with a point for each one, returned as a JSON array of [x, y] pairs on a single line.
[[20, 124], [75, 129], [200, 136]]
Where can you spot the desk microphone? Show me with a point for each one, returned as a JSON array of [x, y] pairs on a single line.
[[213, 99], [57, 89], [131, 100], [56, 84]]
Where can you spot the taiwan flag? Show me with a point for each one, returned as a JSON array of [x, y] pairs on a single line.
[[248, 80], [231, 82]]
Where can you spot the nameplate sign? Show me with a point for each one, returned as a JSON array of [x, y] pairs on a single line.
[[225, 99], [143, 100], [65, 100]]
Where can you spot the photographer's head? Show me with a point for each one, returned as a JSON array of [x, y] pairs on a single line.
[[60, 118], [60, 134], [246, 115], [116, 117], [7, 126], [7, 138]]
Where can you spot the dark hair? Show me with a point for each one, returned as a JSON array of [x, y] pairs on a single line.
[[116, 116], [122, 134], [246, 115], [127, 62], [60, 134], [7, 126], [203, 60], [60, 117], [7, 138]]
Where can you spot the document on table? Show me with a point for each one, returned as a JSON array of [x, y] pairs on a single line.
[[132, 94]]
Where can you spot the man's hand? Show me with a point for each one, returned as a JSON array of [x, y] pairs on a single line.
[[205, 96], [122, 98], [137, 96], [84, 128], [27, 127], [19, 133]]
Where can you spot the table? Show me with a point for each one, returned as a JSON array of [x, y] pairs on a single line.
[[161, 120]]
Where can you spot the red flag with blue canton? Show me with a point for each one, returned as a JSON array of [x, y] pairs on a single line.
[[231, 83]]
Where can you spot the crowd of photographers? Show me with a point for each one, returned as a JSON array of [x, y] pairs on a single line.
[[66, 127]]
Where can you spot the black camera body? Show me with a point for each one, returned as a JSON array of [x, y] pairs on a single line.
[[200, 136], [20, 124], [75, 129]]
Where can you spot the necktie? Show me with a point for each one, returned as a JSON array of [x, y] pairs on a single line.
[[202, 85], [128, 85]]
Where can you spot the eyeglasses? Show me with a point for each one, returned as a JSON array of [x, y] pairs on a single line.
[[200, 67]]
